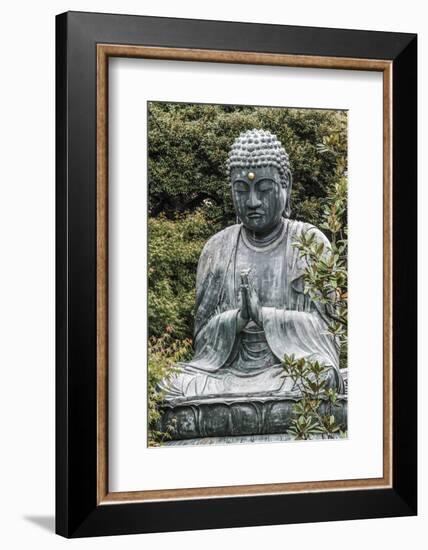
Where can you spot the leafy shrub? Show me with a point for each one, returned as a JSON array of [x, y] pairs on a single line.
[[326, 281], [174, 249], [164, 353], [326, 278], [314, 411]]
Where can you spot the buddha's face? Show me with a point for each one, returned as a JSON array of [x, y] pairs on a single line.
[[259, 197]]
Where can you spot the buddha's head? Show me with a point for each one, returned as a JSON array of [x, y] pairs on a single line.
[[260, 178]]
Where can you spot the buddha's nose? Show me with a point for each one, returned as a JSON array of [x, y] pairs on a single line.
[[253, 201]]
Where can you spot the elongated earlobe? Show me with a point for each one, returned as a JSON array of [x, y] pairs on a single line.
[[287, 209]]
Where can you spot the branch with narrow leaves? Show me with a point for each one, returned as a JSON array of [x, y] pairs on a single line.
[[313, 413], [326, 275]]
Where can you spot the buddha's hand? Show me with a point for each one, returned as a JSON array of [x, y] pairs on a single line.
[[243, 315], [254, 306]]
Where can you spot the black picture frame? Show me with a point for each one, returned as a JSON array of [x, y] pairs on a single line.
[[78, 513]]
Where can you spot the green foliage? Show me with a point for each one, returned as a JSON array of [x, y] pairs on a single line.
[[326, 281], [313, 412], [163, 353], [189, 144], [326, 277], [174, 249]]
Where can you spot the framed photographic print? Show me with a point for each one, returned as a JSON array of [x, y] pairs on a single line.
[[236, 274]]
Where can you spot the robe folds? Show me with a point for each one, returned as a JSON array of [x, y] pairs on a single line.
[[292, 322]]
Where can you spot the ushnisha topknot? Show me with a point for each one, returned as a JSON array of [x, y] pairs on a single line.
[[259, 148]]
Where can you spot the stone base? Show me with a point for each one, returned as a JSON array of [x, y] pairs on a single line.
[[216, 416], [268, 438]]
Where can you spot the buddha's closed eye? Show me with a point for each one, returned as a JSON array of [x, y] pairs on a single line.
[[265, 185], [241, 187]]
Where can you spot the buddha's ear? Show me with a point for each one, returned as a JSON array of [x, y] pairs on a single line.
[[287, 209]]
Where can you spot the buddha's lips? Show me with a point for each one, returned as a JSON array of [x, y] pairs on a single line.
[[255, 214]]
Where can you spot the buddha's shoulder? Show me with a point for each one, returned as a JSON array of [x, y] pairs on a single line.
[[297, 228], [222, 238]]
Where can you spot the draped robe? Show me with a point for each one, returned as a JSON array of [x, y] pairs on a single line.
[[226, 363]]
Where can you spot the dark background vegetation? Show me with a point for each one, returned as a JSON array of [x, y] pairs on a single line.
[[189, 200]]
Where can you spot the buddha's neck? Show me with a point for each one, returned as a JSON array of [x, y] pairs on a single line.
[[265, 238]]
